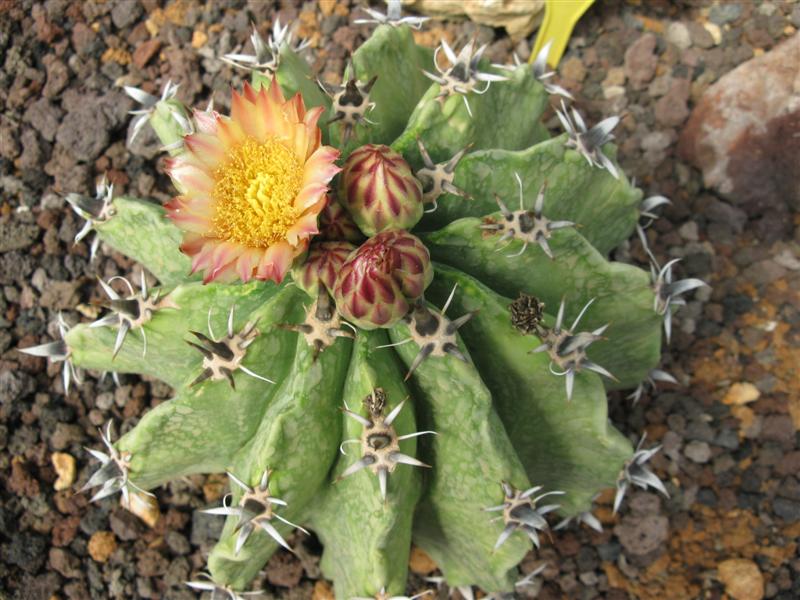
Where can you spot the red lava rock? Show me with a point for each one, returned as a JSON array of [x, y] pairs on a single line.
[[642, 536], [57, 76], [65, 530], [789, 464], [21, 482], [69, 503], [145, 51], [118, 178], [45, 30], [63, 562], [82, 38], [569, 545], [778, 428], [641, 61], [745, 132], [84, 132], [284, 570], [9, 145], [151, 563], [672, 109], [45, 117], [346, 38]]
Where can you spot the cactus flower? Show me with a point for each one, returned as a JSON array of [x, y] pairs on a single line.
[[380, 281], [379, 189], [251, 186]]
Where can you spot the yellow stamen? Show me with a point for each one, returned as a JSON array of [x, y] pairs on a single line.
[[254, 192]]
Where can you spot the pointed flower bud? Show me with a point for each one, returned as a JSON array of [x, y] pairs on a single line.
[[336, 224], [379, 189], [380, 281], [323, 263]]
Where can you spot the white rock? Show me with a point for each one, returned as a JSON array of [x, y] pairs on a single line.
[[678, 34]]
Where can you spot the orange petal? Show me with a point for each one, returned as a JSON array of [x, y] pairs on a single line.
[[310, 195], [202, 253], [320, 167], [269, 112], [191, 178], [300, 143], [247, 113], [224, 255], [249, 92], [313, 130], [275, 92], [230, 133], [206, 121], [247, 263], [305, 227], [294, 109], [207, 148], [192, 243], [191, 222], [276, 261]]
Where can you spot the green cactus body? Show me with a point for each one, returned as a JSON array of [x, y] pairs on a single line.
[[367, 539], [578, 273], [483, 341], [472, 442]]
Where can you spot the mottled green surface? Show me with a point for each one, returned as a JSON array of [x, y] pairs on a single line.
[[141, 231], [578, 273], [297, 437], [200, 429], [471, 456], [391, 54], [366, 539], [507, 116], [605, 208], [295, 76], [169, 357], [564, 445]]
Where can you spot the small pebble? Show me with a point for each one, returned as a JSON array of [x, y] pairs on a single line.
[[678, 34], [145, 507], [741, 393], [742, 579], [102, 545], [715, 31], [723, 13], [420, 563], [64, 465], [322, 591], [699, 452]]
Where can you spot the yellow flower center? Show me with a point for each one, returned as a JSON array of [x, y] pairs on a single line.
[[254, 192]]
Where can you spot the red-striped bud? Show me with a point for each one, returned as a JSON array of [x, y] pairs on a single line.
[[379, 282], [379, 189], [322, 265], [336, 224]]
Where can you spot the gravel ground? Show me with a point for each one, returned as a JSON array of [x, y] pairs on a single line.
[[729, 432]]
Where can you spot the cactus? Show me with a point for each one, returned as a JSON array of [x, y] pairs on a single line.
[[428, 379]]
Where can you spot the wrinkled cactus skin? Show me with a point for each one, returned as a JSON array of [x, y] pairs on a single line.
[[393, 339]]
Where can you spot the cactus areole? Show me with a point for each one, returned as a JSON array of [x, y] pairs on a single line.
[[386, 355]]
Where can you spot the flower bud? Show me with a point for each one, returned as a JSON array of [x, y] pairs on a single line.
[[380, 281], [379, 189], [336, 224], [323, 263]]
